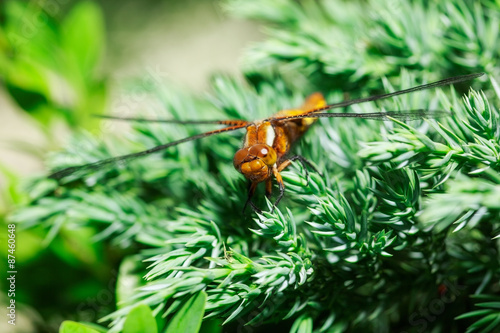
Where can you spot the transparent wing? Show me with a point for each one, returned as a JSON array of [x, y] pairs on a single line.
[[235, 122], [97, 165], [383, 116], [445, 82]]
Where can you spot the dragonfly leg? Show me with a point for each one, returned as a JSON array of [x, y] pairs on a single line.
[[251, 191], [305, 163], [269, 187], [281, 186]]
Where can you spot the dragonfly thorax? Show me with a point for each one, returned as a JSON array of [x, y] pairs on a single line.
[[255, 162]]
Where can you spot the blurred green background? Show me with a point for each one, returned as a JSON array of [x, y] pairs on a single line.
[[61, 61]]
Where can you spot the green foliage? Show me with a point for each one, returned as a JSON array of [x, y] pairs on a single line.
[[73, 327], [140, 320], [50, 58], [336, 44], [490, 314], [404, 218], [49, 63], [303, 324], [188, 318]]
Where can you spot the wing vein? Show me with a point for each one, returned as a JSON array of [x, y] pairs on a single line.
[[96, 165], [445, 82], [175, 121]]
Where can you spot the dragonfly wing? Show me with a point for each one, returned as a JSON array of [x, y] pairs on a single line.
[[383, 116], [99, 164], [235, 122], [445, 82]]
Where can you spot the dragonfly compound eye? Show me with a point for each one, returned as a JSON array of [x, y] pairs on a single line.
[[264, 153], [240, 157]]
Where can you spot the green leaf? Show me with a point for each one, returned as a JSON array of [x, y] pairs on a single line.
[[128, 280], [140, 320], [83, 36], [303, 324], [96, 327], [188, 318], [211, 326], [491, 321], [491, 305], [32, 33], [74, 327], [25, 77], [474, 313], [39, 189]]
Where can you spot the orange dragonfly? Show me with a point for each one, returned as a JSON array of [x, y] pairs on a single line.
[[268, 141]]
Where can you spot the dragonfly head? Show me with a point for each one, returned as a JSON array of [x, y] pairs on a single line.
[[255, 162]]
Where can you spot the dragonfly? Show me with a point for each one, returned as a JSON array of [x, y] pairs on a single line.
[[267, 142]]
